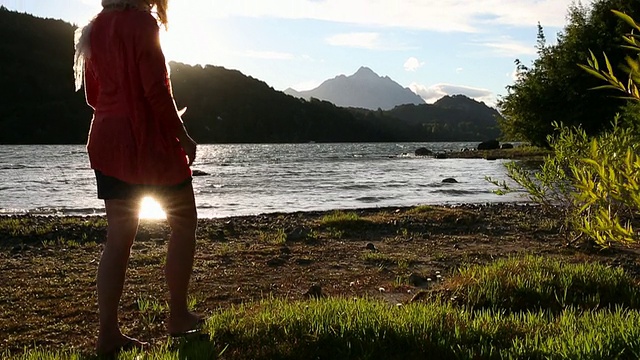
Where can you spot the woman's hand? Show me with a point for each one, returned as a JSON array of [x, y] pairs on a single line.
[[189, 147]]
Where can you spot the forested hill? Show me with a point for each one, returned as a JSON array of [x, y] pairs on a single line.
[[38, 104], [452, 118], [37, 101]]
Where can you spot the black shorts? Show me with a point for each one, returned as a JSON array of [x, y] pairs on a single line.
[[110, 188]]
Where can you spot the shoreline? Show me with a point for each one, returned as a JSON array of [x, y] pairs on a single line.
[[48, 264]]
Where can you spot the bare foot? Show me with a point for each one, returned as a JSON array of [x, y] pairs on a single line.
[[120, 343], [185, 323]]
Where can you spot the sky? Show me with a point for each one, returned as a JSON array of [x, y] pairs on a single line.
[[435, 48]]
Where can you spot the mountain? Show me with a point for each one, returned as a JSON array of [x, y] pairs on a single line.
[[364, 89]]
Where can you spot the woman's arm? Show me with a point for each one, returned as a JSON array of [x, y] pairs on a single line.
[[157, 86]]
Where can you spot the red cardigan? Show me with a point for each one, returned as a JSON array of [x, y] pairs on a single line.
[[133, 134]]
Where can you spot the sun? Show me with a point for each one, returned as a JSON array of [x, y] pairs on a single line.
[[150, 209]]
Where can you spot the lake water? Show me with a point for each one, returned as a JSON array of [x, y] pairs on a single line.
[[247, 179]]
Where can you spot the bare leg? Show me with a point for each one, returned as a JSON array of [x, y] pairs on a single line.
[[181, 213], [122, 220]]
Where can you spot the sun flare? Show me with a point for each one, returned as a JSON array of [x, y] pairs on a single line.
[[150, 209]]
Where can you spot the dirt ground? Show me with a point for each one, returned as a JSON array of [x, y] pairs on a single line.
[[47, 278]]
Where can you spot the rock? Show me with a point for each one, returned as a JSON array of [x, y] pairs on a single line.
[[20, 248], [450, 181], [285, 250], [219, 235], [441, 156], [304, 261], [489, 145], [276, 261], [298, 234], [314, 292], [229, 226], [506, 146], [198, 173], [371, 246], [423, 152], [416, 279]]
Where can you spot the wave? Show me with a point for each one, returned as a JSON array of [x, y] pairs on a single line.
[[456, 192], [356, 187], [53, 211], [370, 199], [19, 167]]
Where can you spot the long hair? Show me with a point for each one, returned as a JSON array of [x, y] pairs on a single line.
[[161, 9]]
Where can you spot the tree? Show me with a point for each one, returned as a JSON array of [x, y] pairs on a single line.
[[555, 88]]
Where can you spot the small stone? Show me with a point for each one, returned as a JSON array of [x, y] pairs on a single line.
[[276, 261], [371, 247], [314, 292], [285, 250], [198, 173], [416, 279]]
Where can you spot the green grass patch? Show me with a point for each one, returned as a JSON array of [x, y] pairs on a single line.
[[343, 220], [367, 329], [278, 237], [36, 229], [532, 283]]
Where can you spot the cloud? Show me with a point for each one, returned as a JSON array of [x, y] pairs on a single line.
[[268, 55], [508, 47], [306, 85], [413, 64], [432, 93], [441, 15], [363, 40]]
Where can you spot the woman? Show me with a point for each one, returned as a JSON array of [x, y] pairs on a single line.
[[137, 145]]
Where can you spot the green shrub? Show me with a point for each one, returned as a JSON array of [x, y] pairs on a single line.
[[594, 183]]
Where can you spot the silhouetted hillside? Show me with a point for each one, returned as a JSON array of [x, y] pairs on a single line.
[[38, 103], [454, 118]]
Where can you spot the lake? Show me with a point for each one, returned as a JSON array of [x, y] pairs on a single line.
[[248, 179]]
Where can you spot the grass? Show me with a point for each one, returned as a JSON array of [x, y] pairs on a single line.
[[515, 308], [342, 220], [534, 283], [279, 237], [366, 329], [33, 229]]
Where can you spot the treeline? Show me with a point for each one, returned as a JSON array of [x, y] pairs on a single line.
[[555, 89], [38, 104]]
